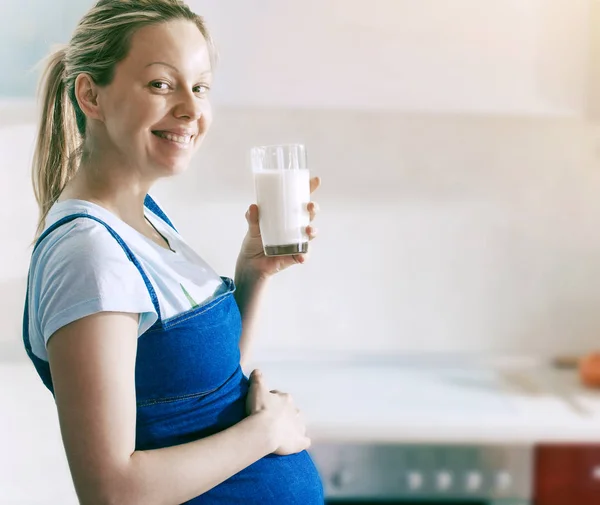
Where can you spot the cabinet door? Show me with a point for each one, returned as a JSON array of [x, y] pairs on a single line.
[[567, 474]]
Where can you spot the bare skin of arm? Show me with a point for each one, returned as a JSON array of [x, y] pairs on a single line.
[[92, 361], [249, 294]]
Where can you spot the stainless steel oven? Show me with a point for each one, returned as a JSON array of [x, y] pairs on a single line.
[[406, 474]]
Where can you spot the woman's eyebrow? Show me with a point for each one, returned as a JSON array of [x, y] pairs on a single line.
[[202, 74], [162, 63]]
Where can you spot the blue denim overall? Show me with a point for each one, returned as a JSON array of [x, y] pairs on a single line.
[[189, 385]]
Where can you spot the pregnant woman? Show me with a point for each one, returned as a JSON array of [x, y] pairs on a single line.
[[137, 338]]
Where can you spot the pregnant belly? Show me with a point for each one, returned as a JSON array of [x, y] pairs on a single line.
[[271, 480]]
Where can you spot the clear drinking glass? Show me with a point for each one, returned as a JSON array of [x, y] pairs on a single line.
[[282, 185]]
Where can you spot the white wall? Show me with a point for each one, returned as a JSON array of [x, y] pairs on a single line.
[[499, 56], [456, 233], [437, 232], [481, 56], [481, 217]]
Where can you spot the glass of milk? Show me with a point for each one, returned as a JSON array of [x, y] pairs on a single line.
[[282, 186]]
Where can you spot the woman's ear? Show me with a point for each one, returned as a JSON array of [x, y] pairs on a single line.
[[86, 92]]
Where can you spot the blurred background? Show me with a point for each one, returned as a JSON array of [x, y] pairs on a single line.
[[458, 143]]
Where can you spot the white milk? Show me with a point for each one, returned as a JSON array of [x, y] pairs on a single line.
[[282, 197]]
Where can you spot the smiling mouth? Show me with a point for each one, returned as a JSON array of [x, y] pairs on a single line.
[[179, 139]]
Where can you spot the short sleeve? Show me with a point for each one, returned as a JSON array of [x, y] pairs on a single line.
[[83, 270]]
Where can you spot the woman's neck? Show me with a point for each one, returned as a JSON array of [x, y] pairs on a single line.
[[116, 189]]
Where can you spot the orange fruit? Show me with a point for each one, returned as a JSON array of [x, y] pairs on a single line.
[[589, 370]]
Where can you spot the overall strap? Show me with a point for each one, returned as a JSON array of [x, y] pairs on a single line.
[[153, 206], [119, 240]]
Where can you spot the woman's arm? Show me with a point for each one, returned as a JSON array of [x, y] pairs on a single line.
[[93, 369], [253, 269], [250, 289]]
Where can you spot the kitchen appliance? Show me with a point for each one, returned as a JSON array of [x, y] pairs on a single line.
[[407, 473], [446, 429]]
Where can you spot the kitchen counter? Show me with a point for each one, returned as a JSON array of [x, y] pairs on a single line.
[[403, 400], [425, 400], [407, 398]]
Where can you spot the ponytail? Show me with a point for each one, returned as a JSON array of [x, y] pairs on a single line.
[[58, 141]]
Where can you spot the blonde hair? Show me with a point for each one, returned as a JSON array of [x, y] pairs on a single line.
[[100, 41]]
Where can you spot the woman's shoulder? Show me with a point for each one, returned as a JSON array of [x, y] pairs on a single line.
[[76, 235], [78, 269]]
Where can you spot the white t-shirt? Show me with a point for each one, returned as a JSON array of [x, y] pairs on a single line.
[[80, 269]]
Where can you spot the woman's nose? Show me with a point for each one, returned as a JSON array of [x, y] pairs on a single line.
[[189, 107]]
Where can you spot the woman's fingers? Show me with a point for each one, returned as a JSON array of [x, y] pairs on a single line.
[[255, 401], [311, 231], [300, 259], [252, 220], [313, 209], [257, 380], [315, 182], [290, 425]]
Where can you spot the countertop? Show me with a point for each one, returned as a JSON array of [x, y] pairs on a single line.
[[444, 399], [402, 399]]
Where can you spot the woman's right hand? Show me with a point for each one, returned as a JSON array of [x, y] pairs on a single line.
[[281, 414]]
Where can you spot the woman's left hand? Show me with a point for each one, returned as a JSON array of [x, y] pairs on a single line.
[[252, 257]]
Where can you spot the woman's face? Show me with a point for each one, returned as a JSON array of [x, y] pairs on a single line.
[[156, 110]]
